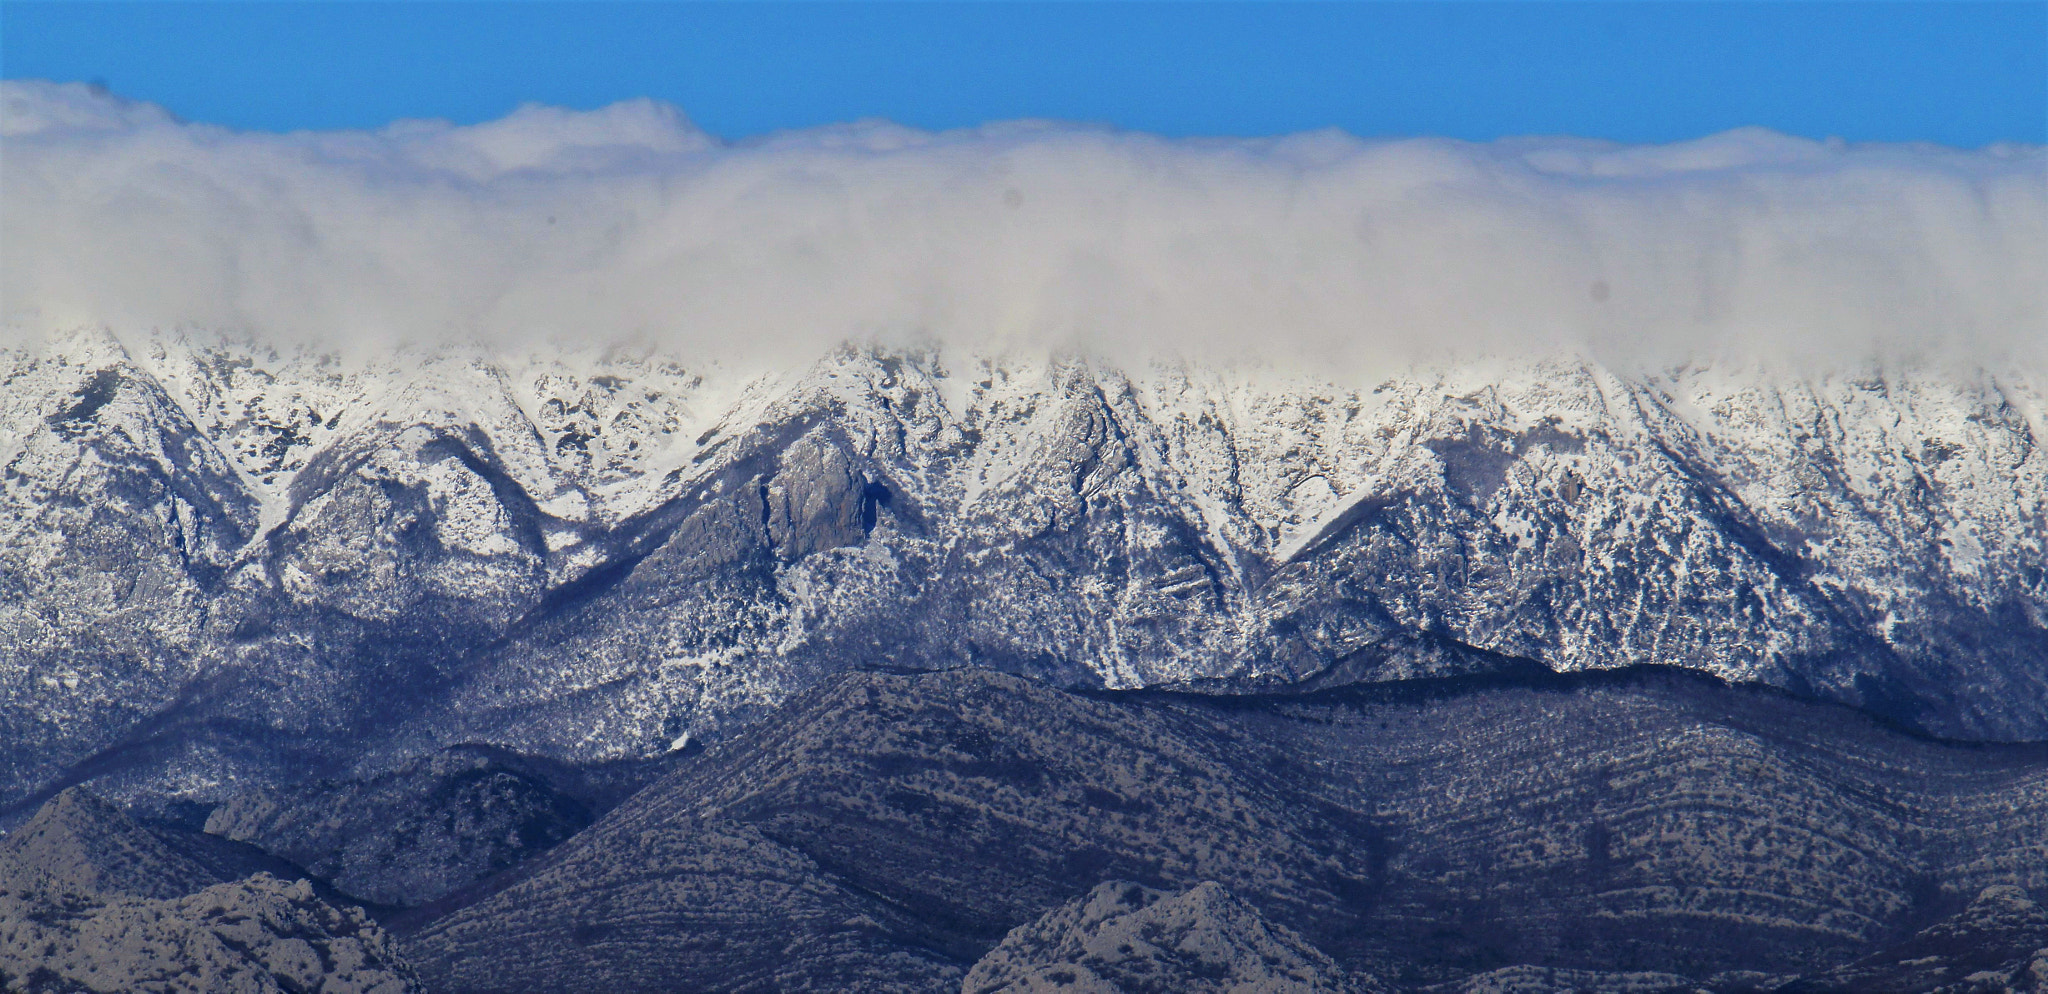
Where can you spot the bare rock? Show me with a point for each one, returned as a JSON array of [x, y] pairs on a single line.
[[1122, 938], [259, 935], [91, 901]]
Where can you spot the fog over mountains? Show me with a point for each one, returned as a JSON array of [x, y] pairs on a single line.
[[1319, 250], [1036, 558]]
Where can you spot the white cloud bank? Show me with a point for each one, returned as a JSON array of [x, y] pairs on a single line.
[[629, 223]]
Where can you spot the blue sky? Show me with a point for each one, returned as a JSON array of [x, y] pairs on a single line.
[[1961, 74]]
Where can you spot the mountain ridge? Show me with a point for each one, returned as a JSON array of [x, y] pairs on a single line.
[[588, 556], [1666, 825]]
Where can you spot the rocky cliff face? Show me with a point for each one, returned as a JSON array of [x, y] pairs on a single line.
[[220, 561], [1625, 833]]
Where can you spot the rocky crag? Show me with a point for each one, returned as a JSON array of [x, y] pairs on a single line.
[[91, 901]]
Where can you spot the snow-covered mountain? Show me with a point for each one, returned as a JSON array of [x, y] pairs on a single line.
[[222, 561]]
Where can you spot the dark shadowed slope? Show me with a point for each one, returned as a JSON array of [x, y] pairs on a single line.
[[1997, 944], [409, 836], [885, 832]]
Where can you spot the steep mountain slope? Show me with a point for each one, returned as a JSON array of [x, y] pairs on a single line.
[[1625, 825], [225, 563], [121, 525]]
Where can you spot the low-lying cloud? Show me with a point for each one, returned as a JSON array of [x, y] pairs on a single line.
[[628, 223]]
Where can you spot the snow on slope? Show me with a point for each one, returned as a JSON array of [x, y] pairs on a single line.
[[591, 553]]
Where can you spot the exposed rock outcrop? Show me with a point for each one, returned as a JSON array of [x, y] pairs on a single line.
[[1123, 938], [91, 901]]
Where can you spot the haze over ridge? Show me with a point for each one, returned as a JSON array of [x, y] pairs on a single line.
[[628, 223]]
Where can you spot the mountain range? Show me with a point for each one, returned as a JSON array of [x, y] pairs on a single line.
[[1619, 831], [1713, 675]]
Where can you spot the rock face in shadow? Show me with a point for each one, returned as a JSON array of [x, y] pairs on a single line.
[[815, 501], [1551, 980], [413, 835], [91, 901], [1123, 938], [885, 827], [1997, 945]]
